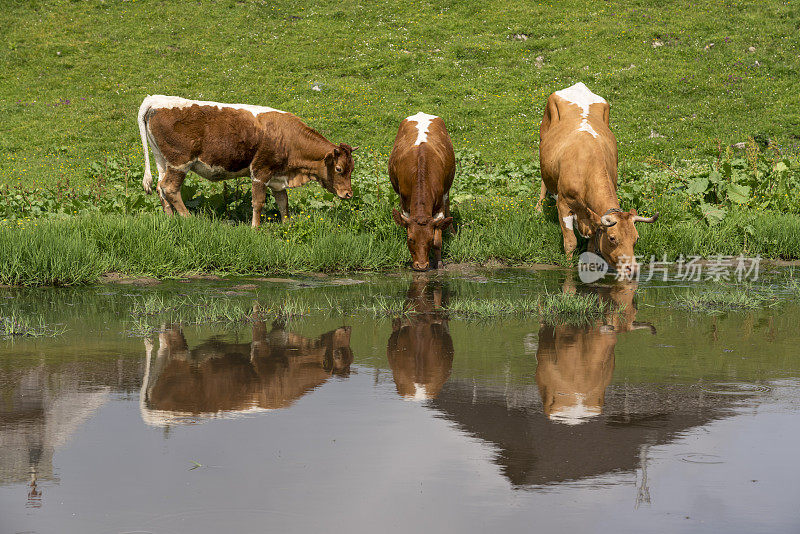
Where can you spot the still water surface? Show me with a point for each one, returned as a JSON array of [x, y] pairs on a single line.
[[655, 420]]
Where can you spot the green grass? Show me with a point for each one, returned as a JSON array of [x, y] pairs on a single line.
[[485, 308], [569, 308], [74, 73], [77, 250], [726, 298], [148, 313], [15, 325]]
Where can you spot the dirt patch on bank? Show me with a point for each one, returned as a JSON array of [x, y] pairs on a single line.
[[119, 278]]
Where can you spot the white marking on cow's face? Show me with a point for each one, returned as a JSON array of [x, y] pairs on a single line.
[[580, 95], [568, 220], [423, 121], [168, 102]]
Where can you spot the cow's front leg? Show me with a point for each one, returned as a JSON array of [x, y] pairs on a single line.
[[259, 197], [567, 220], [437, 248], [282, 200]]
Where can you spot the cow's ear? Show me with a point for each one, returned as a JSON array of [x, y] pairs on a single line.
[[329, 158], [400, 219], [443, 223], [336, 152], [594, 219], [354, 149]]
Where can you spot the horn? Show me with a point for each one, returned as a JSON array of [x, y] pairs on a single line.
[[439, 216], [639, 218], [607, 221]]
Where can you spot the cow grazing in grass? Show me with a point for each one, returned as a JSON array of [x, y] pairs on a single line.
[[221, 141], [578, 155], [421, 169]]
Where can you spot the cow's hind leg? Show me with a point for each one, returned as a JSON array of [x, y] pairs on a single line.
[[169, 189], [542, 194], [567, 221], [259, 197]]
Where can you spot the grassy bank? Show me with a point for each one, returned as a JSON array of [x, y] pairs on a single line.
[[77, 250], [681, 76]]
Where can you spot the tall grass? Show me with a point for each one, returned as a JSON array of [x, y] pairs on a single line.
[[49, 253], [77, 250]]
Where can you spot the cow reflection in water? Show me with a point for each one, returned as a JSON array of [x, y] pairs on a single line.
[[216, 377], [420, 349], [575, 364]]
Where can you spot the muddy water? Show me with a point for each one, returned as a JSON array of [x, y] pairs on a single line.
[[657, 419]]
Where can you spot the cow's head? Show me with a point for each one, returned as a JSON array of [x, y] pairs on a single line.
[[615, 236], [423, 234], [338, 168]]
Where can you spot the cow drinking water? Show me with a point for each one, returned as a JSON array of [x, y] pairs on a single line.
[[221, 141], [578, 156], [421, 168]]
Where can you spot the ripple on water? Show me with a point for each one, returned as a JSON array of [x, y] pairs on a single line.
[[736, 388], [700, 458]]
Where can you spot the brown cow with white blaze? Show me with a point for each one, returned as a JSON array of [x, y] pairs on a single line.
[[221, 141], [421, 168], [578, 155]]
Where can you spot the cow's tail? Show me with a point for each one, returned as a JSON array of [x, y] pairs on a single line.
[[147, 181]]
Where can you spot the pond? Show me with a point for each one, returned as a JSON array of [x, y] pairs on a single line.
[[654, 418]]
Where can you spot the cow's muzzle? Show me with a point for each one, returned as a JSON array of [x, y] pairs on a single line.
[[420, 266]]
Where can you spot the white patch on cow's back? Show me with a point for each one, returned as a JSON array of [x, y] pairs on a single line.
[[568, 220], [423, 121], [420, 393], [581, 96], [171, 102]]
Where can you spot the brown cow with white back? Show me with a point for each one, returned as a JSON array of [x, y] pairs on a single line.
[[578, 156], [222, 141], [421, 168]]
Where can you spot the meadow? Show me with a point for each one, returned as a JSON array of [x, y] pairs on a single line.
[[686, 81]]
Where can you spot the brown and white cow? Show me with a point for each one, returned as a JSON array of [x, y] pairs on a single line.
[[221, 141], [575, 364], [420, 349], [578, 156], [216, 377], [421, 168]]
